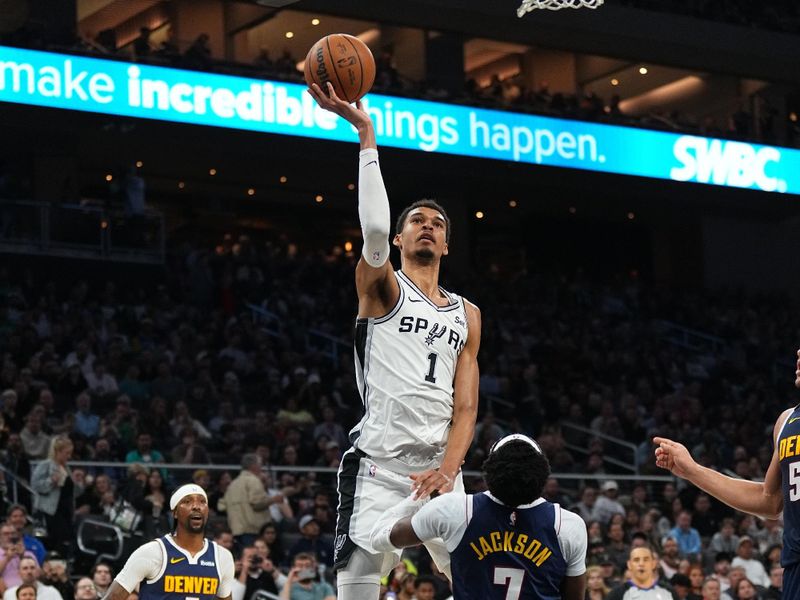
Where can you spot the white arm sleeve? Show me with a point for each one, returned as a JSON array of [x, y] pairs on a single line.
[[573, 541], [446, 517], [225, 568], [373, 209], [143, 564]]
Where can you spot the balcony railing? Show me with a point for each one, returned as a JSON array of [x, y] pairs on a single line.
[[81, 231]]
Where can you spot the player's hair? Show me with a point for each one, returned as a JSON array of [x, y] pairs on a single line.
[[516, 473], [424, 203]]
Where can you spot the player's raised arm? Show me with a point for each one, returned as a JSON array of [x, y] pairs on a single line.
[[377, 287], [763, 499]]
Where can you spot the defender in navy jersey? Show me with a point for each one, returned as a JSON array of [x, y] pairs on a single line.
[[416, 348], [180, 565], [780, 490], [507, 543]]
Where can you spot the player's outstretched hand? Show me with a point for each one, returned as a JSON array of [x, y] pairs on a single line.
[[430, 481], [355, 115], [674, 457]]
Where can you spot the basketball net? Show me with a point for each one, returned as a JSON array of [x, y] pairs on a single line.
[[529, 5]]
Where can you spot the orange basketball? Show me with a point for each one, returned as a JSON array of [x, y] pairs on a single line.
[[343, 60]]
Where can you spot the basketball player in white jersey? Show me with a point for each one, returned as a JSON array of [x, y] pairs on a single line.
[[417, 369], [180, 565]]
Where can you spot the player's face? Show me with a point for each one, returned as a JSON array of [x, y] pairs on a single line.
[[641, 564], [424, 234], [192, 513]]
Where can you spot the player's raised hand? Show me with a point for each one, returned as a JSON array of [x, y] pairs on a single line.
[[674, 457], [430, 481], [355, 115]]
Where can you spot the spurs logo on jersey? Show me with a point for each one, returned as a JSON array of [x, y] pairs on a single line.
[[405, 366]]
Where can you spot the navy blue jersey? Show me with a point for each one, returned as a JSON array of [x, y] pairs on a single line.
[[509, 553], [789, 453], [194, 578]]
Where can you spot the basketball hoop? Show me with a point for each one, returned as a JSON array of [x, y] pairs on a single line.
[[529, 5]]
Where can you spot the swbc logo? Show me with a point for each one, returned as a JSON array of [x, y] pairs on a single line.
[[726, 163]]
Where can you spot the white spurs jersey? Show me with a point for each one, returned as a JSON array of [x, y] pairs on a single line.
[[405, 369]]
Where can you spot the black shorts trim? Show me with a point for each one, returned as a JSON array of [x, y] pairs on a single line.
[[343, 546]]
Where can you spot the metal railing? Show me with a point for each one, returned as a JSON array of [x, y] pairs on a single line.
[[81, 231], [16, 482], [617, 443], [690, 339]]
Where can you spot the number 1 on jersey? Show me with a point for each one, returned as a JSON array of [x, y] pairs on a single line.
[[432, 358], [512, 577]]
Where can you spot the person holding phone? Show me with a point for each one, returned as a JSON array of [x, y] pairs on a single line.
[[303, 581], [12, 550]]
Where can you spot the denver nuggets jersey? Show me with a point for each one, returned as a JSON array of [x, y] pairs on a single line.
[[196, 577], [509, 552], [788, 443], [405, 367]]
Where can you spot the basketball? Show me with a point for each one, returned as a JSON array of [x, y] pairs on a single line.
[[345, 61]]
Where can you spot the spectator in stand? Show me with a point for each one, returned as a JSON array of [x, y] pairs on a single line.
[[144, 452], [754, 569], [18, 518], [313, 542], [735, 574], [689, 545], [704, 518], [35, 441], [616, 548], [587, 506], [596, 588], [29, 575], [552, 493], [670, 557], [711, 589], [607, 504], [681, 587], [86, 422], [97, 498], [303, 581], [190, 451], [52, 480], [102, 575], [725, 540], [167, 385], [771, 534], [269, 533], [198, 55], [56, 575], [11, 415], [83, 357], [141, 45], [156, 522], [775, 589], [85, 589], [133, 386], [181, 419], [259, 573], [72, 382], [746, 590], [101, 383], [246, 502], [331, 428], [12, 551]]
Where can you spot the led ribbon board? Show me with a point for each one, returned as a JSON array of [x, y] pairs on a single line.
[[150, 92]]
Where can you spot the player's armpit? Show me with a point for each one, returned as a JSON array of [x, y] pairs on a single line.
[[116, 592], [574, 588]]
